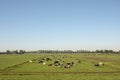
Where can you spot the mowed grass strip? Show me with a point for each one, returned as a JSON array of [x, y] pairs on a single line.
[[62, 77]]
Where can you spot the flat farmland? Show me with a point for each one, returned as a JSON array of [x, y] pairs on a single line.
[[60, 67]]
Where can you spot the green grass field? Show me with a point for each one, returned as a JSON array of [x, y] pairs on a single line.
[[18, 67]]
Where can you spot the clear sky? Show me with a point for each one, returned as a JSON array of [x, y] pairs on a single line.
[[59, 24]]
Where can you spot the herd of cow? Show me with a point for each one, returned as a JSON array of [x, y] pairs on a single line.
[[60, 62]]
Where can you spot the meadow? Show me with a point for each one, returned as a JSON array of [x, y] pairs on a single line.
[[60, 67]]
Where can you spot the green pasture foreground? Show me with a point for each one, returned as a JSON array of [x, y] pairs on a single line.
[[18, 67], [62, 77]]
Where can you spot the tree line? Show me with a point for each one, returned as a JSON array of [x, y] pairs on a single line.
[[60, 51], [14, 52], [79, 51]]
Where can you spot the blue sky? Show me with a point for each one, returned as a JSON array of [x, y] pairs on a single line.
[[59, 24]]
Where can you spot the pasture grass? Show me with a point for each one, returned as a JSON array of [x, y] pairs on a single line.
[[111, 62], [10, 60]]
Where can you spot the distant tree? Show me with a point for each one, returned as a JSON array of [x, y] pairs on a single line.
[[99, 51], [111, 51], [21, 51], [8, 52], [15, 52]]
